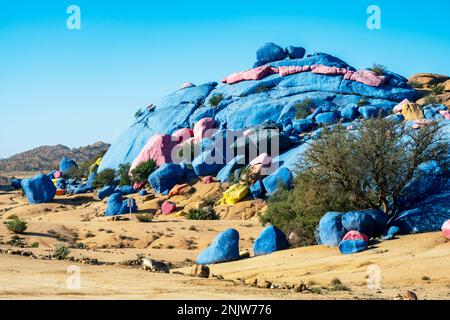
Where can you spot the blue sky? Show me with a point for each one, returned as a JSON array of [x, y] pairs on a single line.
[[76, 87]]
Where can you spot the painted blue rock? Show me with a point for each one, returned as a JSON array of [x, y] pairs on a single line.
[[295, 52], [349, 113], [61, 183], [269, 52], [331, 230], [270, 240], [208, 163], [302, 125], [379, 218], [327, 118], [125, 190], [224, 248], [105, 192], [39, 189], [352, 246], [225, 173], [16, 183], [126, 208], [165, 177], [91, 179], [143, 192], [114, 204], [358, 221], [257, 190], [371, 112], [391, 232], [283, 177], [66, 165], [83, 189]]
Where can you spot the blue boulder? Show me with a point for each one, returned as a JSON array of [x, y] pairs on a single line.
[[349, 113], [208, 163], [66, 165], [61, 183], [371, 112], [352, 246], [327, 118], [105, 192], [224, 248], [380, 220], [114, 204], [126, 190], [257, 189], [82, 189], [331, 230], [143, 192], [391, 233], [127, 208], [16, 183], [230, 167], [295, 52], [165, 177], [269, 52], [283, 177], [302, 125], [39, 189], [91, 179], [358, 221], [270, 240]]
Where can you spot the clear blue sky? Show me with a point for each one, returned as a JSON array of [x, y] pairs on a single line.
[[76, 87]]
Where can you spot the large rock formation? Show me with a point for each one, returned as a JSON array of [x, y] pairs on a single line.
[[249, 103]]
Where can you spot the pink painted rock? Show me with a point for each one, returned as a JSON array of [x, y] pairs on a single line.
[[168, 207], [182, 134], [398, 108], [187, 85], [252, 74], [159, 148], [139, 185], [420, 123], [446, 114], [365, 76], [290, 70], [263, 159], [57, 174], [202, 128], [355, 235], [208, 180], [326, 70], [446, 229]]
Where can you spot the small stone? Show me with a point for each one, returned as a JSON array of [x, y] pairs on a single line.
[[244, 255], [155, 266], [410, 295], [300, 288], [200, 271]]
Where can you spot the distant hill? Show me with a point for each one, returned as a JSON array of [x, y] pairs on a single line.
[[47, 158]]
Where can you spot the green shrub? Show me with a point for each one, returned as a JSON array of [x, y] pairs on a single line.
[[144, 217], [13, 217], [378, 69], [205, 211], [104, 178], [35, 245], [61, 252], [431, 99], [138, 113], [304, 108], [345, 171], [363, 102], [216, 99], [16, 225], [437, 89], [141, 172], [123, 173], [337, 285]]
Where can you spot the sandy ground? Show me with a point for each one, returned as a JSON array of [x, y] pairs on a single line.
[[418, 262]]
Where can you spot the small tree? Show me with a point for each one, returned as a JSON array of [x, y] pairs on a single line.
[[304, 108], [106, 177], [378, 69], [141, 172], [61, 252], [216, 99], [124, 174]]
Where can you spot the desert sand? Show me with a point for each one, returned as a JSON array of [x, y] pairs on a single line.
[[419, 263]]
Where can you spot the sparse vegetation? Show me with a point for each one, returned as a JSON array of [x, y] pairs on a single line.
[[304, 108], [34, 245], [378, 69], [142, 171], [363, 102], [216, 99], [144, 217], [61, 252], [205, 211], [431, 99], [351, 171], [138, 113], [16, 225], [123, 173], [337, 285], [106, 177], [437, 89]]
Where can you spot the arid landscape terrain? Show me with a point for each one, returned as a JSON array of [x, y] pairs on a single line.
[[107, 253]]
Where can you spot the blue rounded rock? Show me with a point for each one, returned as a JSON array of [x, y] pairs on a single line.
[[352, 246], [114, 204], [39, 189], [271, 239], [331, 230], [224, 248]]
